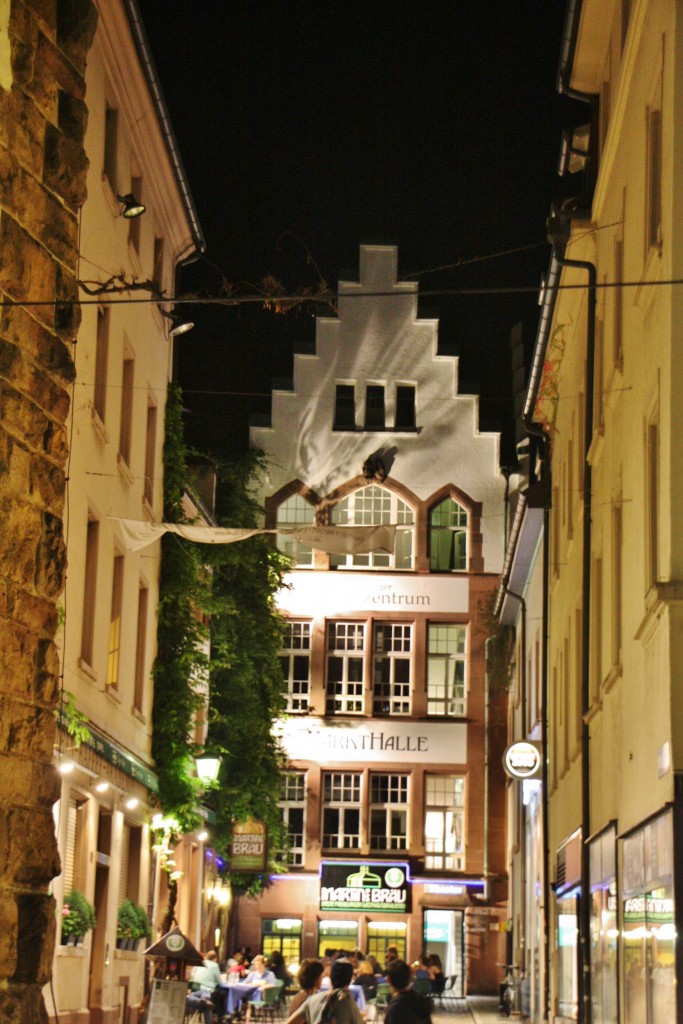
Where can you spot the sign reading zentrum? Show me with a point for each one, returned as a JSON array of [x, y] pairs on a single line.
[[365, 886]]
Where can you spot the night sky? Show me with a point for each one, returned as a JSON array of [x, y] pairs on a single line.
[[309, 128]]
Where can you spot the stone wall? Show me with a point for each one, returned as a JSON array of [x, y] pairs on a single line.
[[42, 187]]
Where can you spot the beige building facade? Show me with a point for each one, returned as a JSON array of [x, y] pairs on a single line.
[[123, 363], [605, 388]]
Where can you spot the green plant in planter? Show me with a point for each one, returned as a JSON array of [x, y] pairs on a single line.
[[78, 915], [132, 922]]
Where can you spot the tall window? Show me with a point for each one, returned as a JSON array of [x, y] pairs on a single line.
[[89, 591], [388, 811], [134, 222], [616, 581], [372, 506], [654, 179], [374, 407], [73, 866], [444, 823], [446, 664], [150, 451], [448, 537], [295, 661], [141, 648], [101, 360], [292, 513], [158, 270], [404, 418], [126, 425], [345, 407], [114, 646], [111, 129], [293, 804], [345, 668], [618, 307], [391, 669], [341, 810], [652, 505]]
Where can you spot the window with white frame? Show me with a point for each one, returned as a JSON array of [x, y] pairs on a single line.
[[295, 661], [388, 811], [374, 506], [448, 537], [341, 810], [293, 513], [446, 669], [391, 668], [345, 668], [293, 805], [444, 822]]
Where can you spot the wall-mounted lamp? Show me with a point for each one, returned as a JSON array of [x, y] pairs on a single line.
[[66, 767], [132, 207], [179, 323], [102, 787], [207, 769], [132, 803], [203, 836]]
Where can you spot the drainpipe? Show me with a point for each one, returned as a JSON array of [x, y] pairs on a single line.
[[558, 233], [544, 772], [487, 757]]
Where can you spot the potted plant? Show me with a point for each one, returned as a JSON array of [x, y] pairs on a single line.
[[78, 917], [132, 924]]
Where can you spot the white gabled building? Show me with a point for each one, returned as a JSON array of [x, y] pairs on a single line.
[[384, 656]]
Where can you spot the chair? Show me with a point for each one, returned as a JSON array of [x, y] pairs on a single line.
[[382, 998], [423, 986], [268, 1007], [449, 998]]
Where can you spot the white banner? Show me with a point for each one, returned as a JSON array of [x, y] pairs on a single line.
[[135, 534], [385, 740]]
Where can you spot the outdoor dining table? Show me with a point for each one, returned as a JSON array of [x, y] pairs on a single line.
[[236, 994]]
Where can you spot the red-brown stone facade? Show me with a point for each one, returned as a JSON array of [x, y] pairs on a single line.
[[42, 187]]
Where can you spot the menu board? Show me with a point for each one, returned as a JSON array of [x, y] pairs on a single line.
[[167, 1003]]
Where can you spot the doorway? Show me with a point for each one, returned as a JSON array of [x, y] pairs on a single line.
[[444, 935]]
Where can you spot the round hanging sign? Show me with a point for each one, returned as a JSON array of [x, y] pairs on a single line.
[[522, 760]]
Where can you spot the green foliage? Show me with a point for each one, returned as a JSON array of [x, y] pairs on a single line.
[[132, 921], [77, 724], [246, 678], [181, 633], [78, 915]]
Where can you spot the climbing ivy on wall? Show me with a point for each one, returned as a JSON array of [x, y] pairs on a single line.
[[235, 584]]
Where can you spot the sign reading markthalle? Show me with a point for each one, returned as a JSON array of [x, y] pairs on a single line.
[[248, 847], [365, 886]]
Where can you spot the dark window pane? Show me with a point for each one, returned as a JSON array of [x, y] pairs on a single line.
[[335, 668], [402, 670], [374, 407], [405, 408], [345, 408]]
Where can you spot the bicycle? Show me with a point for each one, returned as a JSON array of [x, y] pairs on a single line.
[[510, 1002]]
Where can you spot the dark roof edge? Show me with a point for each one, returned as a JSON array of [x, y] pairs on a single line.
[[145, 54], [569, 34]]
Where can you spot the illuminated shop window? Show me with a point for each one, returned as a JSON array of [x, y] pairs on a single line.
[[446, 664], [283, 934], [448, 537], [391, 669], [444, 823], [292, 513], [381, 935], [388, 811], [374, 506], [341, 810], [345, 668], [337, 935], [293, 806], [295, 662]]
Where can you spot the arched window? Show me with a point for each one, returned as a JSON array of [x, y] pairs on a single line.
[[294, 512], [448, 537], [372, 506]]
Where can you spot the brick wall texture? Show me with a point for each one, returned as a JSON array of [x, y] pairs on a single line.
[[42, 187]]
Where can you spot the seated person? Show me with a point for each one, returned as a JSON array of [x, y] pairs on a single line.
[[406, 1006], [367, 979], [204, 981], [259, 973], [337, 1006], [279, 968], [310, 975]]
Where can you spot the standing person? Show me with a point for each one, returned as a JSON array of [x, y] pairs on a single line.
[[310, 975], [436, 975], [390, 953], [406, 1006], [335, 1007]]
